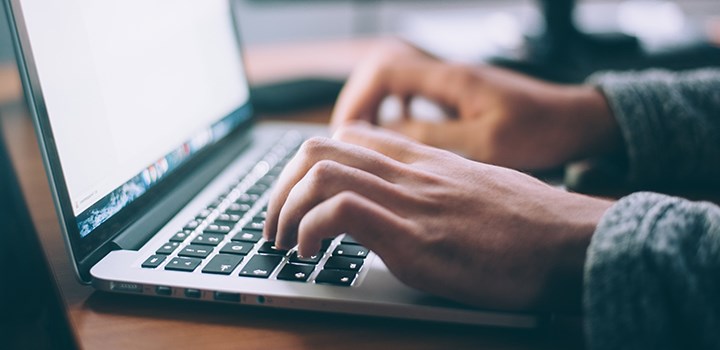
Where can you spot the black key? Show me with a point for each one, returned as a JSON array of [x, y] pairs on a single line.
[[267, 180], [208, 239], [261, 266], [308, 260], [240, 248], [183, 264], [223, 264], [325, 244], [258, 188], [153, 261], [292, 272], [255, 225], [237, 208], [227, 219], [275, 171], [191, 226], [269, 248], [219, 229], [248, 236], [349, 240], [180, 236], [196, 251], [168, 248], [343, 263], [261, 216], [336, 277], [247, 198], [259, 221], [351, 251]]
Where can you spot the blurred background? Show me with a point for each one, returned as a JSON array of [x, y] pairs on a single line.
[[611, 34]]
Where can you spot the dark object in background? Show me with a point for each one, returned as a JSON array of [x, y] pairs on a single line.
[[565, 54], [293, 95], [32, 312]]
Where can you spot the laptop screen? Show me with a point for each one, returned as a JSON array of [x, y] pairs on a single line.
[[133, 89]]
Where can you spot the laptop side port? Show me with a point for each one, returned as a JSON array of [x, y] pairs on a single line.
[[164, 291], [230, 297], [193, 293], [126, 287]]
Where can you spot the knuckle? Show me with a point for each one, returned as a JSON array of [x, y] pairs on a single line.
[[323, 172], [346, 204], [314, 146], [385, 56]]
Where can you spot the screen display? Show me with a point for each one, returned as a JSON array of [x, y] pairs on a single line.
[[133, 88]]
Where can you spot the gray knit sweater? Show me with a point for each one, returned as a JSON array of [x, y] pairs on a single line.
[[652, 275]]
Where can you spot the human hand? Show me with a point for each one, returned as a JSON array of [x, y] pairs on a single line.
[[468, 231], [500, 117]]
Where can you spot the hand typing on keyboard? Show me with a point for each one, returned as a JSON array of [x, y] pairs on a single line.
[[472, 232], [495, 115]]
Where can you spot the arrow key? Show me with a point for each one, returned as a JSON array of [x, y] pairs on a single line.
[[293, 272], [261, 266], [183, 264]]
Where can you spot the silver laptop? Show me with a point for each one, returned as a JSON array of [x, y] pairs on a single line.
[[160, 173]]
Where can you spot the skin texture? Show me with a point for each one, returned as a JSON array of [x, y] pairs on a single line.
[[469, 231], [472, 232], [498, 116]]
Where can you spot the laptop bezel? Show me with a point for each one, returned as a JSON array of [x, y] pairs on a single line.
[[86, 251]]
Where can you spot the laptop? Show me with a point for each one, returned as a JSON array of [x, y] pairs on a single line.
[[33, 314], [160, 170]]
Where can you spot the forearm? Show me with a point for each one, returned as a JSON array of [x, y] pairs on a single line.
[[652, 275], [670, 124]]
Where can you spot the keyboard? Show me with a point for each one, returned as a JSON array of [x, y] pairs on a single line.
[[225, 238]]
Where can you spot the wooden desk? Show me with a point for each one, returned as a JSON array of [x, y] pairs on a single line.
[[110, 321]]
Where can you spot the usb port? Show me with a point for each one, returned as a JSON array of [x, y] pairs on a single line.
[[162, 290], [193, 293], [232, 297]]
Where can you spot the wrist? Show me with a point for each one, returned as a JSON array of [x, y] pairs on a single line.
[[563, 291], [589, 114]]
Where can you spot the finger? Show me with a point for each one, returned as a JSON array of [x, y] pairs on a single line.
[[315, 150], [361, 96], [325, 180], [389, 143], [372, 225], [370, 84], [452, 134]]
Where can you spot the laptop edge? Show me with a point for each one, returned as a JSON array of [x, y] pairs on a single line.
[[379, 294]]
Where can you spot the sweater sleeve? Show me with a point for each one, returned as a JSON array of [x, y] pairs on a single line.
[[670, 123], [652, 275]]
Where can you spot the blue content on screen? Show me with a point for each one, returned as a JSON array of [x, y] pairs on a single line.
[[126, 193]]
